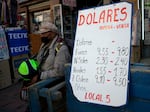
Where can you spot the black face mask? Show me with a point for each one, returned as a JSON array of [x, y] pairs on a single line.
[[45, 40]]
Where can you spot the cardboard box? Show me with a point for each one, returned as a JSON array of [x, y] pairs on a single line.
[[35, 42], [16, 60], [135, 54], [5, 74]]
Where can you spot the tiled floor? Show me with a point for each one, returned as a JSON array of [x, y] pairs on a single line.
[[10, 99]]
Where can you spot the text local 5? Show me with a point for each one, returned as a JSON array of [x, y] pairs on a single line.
[[104, 16]]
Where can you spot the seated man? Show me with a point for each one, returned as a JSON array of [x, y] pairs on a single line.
[[52, 55], [50, 60]]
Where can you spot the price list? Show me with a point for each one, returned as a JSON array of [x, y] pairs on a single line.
[[119, 63], [100, 65]]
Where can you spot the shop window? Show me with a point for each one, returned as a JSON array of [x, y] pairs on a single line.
[[38, 18], [22, 20]]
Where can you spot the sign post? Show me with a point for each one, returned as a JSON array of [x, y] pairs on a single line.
[[100, 65]]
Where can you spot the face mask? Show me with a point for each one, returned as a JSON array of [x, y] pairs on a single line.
[[45, 40]]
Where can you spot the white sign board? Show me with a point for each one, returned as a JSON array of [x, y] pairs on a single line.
[[100, 64]]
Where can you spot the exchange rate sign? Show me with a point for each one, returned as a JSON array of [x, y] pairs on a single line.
[[100, 65]]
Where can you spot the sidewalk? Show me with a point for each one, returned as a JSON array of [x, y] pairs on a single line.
[[10, 99]]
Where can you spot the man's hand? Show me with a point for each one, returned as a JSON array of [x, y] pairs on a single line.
[[43, 76], [34, 80]]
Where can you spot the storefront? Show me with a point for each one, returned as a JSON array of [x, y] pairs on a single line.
[[60, 12], [92, 64], [39, 11]]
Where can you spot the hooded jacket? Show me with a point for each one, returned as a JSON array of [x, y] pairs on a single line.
[[52, 58]]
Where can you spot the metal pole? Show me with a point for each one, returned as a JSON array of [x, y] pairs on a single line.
[[143, 29]]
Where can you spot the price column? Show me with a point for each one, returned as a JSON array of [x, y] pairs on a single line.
[[101, 64], [121, 66]]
